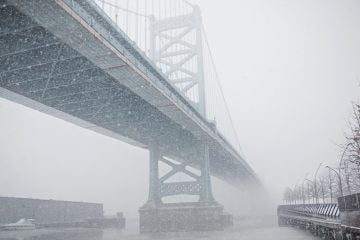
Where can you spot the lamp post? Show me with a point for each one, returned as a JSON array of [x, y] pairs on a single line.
[[346, 174], [302, 189], [316, 193], [330, 186], [338, 174]]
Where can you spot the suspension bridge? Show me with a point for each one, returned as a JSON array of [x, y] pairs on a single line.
[[140, 71]]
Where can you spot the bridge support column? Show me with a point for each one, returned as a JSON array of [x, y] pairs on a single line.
[[204, 215], [153, 199], [206, 193]]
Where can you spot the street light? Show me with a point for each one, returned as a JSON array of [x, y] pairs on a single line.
[[338, 174], [316, 193], [302, 189]]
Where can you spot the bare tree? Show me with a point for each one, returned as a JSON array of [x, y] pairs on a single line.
[[309, 192], [322, 187], [353, 137], [330, 185], [346, 174], [297, 194], [288, 195], [350, 159]]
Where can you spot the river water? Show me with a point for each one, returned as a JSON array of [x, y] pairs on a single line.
[[266, 232], [263, 233]]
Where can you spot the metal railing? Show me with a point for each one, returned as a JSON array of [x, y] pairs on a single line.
[[326, 210]]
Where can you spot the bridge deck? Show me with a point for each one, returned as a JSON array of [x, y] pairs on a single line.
[[67, 59]]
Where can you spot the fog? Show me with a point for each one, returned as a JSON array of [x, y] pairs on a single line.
[[47, 158], [289, 71]]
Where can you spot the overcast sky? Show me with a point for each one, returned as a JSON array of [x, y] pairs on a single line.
[[289, 70]]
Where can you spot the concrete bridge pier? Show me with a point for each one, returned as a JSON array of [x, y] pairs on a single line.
[[204, 215]]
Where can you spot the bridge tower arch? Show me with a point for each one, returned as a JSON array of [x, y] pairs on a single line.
[[176, 46], [206, 214], [159, 187]]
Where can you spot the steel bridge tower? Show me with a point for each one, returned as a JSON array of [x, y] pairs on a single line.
[[176, 46]]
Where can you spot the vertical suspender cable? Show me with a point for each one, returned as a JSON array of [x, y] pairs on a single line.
[[159, 2], [146, 27], [116, 12], [221, 91], [127, 17], [152, 7], [137, 22]]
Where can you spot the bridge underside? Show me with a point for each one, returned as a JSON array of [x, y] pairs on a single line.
[[37, 65], [43, 71]]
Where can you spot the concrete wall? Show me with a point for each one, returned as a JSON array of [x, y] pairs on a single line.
[[47, 211]]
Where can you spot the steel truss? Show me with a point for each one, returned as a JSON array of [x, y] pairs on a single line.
[[159, 187], [176, 46]]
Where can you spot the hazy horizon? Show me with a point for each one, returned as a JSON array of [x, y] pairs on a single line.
[[289, 71]]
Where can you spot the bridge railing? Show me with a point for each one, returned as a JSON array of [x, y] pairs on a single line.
[[326, 210], [135, 18]]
